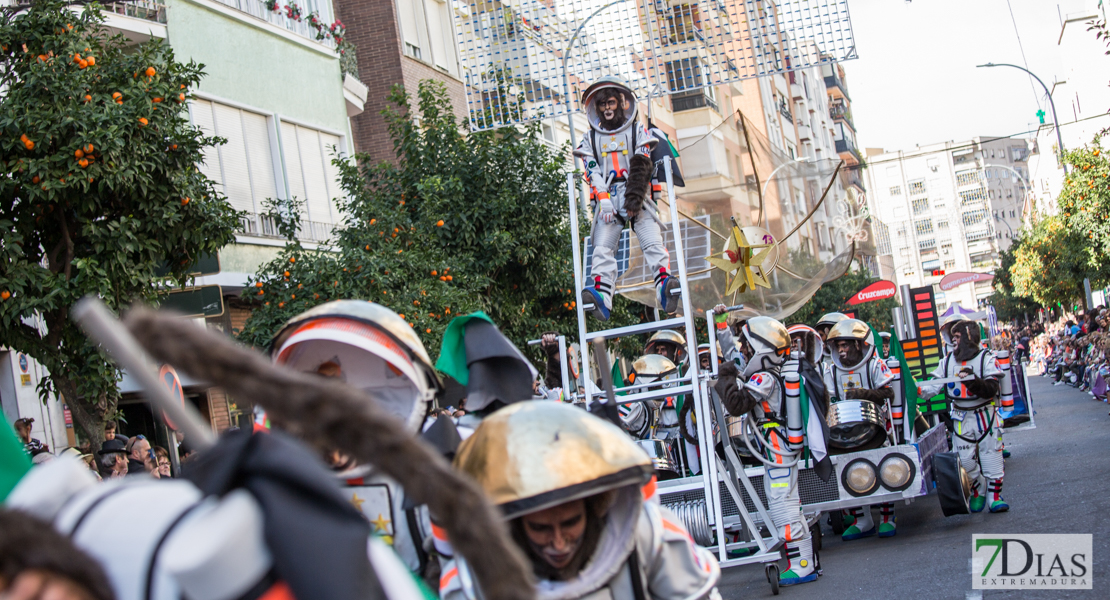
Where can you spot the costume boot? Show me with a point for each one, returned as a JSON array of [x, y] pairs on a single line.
[[887, 526], [862, 524], [977, 500], [800, 567], [665, 284], [994, 496], [599, 296]]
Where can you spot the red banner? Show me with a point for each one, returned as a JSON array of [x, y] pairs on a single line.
[[880, 290], [957, 279]]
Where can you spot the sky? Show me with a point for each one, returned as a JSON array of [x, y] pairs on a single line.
[[916, 81]]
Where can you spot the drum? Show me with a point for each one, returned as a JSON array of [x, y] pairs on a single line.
[[736, 436], [953, 483], [855, 425], [662, 458]]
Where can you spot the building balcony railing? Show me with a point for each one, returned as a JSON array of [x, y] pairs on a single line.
[[264, 226], [691, 101], [784, 110], [148, 10], [849, 148], [256, 8], [836, 87], [843, 113]]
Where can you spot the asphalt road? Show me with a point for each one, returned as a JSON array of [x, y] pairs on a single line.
[[1056, 482]]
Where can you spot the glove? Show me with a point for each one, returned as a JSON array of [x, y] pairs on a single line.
[[605, 211], [983, 388], [876, 395], [720, 313], [549, 343], [737, 400]]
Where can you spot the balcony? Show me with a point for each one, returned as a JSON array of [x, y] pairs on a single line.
[[261, 225], [805, 132], [691, 101], [257, 9], [847, 150], [784, 110], [843, 113], [136, 20], [836, 87]]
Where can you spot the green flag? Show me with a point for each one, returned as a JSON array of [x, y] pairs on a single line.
[[14, 462], [618, 378], [452, 353]]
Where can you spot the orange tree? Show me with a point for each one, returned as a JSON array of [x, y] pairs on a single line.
[[100, 191], [457, 224], [1084, 204], [1050, 262]]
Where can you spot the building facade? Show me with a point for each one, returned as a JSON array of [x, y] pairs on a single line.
[[948, 207]]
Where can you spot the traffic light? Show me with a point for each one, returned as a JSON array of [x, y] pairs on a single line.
[[938, 272]]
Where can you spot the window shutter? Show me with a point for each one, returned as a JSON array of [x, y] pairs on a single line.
[[233, 157], [202, 118], [315, 178], [291, 149], [256, 134], [331, 172]]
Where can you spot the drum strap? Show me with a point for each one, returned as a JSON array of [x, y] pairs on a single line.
[[634, 575]]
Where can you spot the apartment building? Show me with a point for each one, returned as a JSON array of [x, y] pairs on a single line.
[[948, 207]]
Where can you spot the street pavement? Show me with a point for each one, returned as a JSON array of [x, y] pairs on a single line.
[[1055, 483]]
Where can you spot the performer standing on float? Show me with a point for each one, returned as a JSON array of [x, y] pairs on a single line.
[[771, 399], [973, 418], [584, 524], [824, 324], [619, 169], [857, 373]]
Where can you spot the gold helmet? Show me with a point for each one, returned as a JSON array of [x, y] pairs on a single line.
[[534, 455], [811, 341], [769, 341], [850, 329], [829, 319], [667, 337], [367, 346], [652, 367]]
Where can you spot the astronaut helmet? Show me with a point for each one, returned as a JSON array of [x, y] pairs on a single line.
[[885, 350], [826, 322], [365, 345], [852, 330], [668, 343], [962, 323], [651, 368], [808, 341], [769, 342], [621, 101]]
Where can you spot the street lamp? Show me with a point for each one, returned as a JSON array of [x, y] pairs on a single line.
[[1055, 121]]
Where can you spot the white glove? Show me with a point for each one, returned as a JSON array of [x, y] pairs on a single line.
[[605, 210]]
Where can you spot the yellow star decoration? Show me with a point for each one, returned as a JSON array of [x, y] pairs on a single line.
[[381, 524], [739, 256], [357, 502]]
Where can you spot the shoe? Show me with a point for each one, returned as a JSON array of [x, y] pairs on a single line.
[[999, 505], [976, 503], [799, 563], [853, 533], [600, 301], [888, 526], [994, 490], [888, 529], [1005, 453], [1059, 383], [788, 577], [665, 284]]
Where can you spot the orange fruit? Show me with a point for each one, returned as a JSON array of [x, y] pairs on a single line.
[[35, 179], [281, 304], [292, 296], [287, 273], [88, 98], [4, 295], [157, 100], [143, 122], [116, 95], [292, 259], [434, 273], [439, 223], [78, 153], [449, 278], [402, 316], [427, 331], [30, 145], [173, 146], [181, 97], [150, 71], [443, 278], [84, 162], [402, 203], [89, 149], [185, 202], [82, 64], [91, 60], [258, 284]]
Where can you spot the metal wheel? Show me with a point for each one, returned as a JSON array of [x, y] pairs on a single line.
[[815, 532], [836, 521], [772, 571]]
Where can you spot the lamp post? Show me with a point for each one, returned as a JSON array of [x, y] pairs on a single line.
[[1055, 121], [566, 81]]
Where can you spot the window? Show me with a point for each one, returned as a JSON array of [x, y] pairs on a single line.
[[974, 217], [949, 264], [1013, 214], [942, 225], [946, 248], [923, 226], [428, 32], [309, 170], [920, 205], [684, 74], [901, 231], [683, 23], [978, 234], [926, 244], [967, 178], [930, 265], [895, 190], [939, 204], [243, 168], [972, 198], [917, 187]]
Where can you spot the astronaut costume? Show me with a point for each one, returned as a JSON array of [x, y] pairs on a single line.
[[823, 325], [974, 419], [629, 548], [860, 374], [768, 394], [617, 153], [372, 348]]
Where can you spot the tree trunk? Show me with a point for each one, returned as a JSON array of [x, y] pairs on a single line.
[[88, 418]]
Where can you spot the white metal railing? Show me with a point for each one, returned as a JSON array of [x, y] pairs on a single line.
[[261, 225], [256, 8], [149, 10]]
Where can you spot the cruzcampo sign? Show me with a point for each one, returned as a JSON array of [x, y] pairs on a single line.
[[880, 290], [957, 279]]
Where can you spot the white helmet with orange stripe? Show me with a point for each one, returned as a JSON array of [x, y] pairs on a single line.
[[367, 346]]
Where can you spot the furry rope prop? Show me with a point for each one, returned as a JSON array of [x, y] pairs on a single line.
[[638, 183], [343, 417]]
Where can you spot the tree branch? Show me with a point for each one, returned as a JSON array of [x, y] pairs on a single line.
[[68, 242]]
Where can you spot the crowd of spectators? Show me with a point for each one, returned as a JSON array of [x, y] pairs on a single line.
[[119, 455], [1074, 351]]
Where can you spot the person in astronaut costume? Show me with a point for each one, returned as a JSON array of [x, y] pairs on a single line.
[[824, 324], [730, 349], [857, 373], [370, 347], [570, 487], [760, 391], [619, 169], [973, 418]]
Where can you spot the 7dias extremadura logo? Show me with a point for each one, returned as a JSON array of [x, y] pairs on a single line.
[[1014, 561]]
